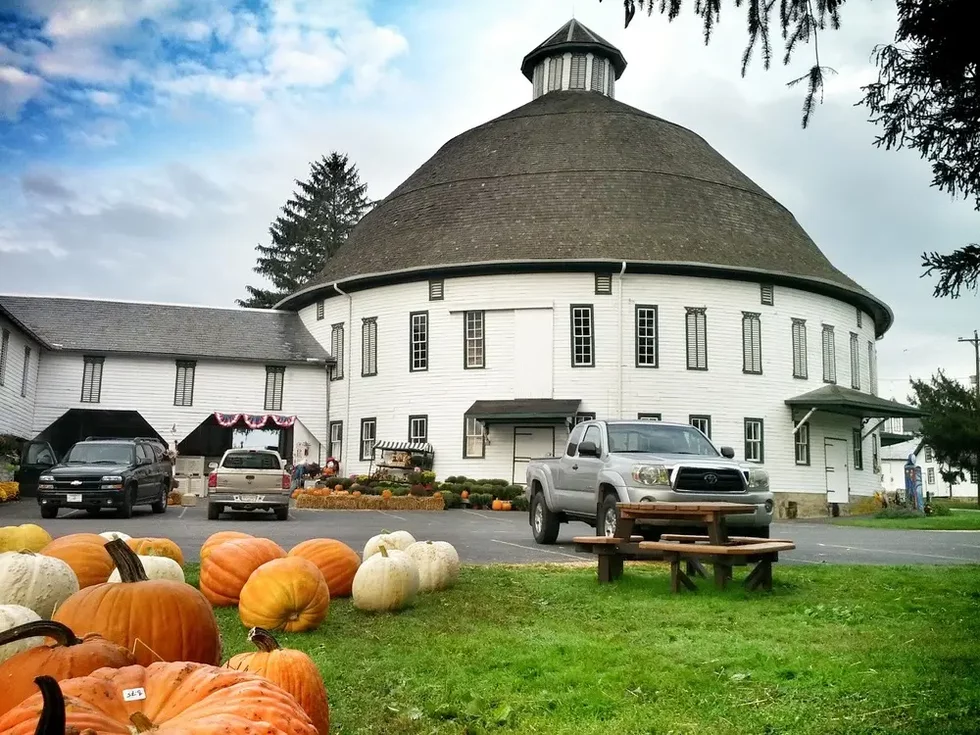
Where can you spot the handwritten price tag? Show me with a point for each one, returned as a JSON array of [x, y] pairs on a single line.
[[134, 695]]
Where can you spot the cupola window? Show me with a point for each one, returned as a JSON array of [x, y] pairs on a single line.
[[577, 78], [598, 74], [554, 73]]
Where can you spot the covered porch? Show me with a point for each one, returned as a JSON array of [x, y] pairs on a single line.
[[530, 427], [841, 454]]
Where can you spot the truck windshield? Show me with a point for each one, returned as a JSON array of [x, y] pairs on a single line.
[[100, 453], [649, 436], [251, 461]]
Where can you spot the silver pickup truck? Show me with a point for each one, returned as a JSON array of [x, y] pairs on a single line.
[[608, 462]]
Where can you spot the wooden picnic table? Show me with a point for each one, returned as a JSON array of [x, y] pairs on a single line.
[[711, 514]]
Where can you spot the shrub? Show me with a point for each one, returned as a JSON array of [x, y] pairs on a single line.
[[419, 491], [400, 491], [520, 503], [428, 478], [510, 492], [866, 506], [451, 500], [899, 512], [939, 509]]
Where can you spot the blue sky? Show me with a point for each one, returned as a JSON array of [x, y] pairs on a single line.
[[145, 145]]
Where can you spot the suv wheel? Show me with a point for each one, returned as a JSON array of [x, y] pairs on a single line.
[[544, 523], [160, 504], [606, 522], [49, 511], [282, 514], [125, 509], [213, 511]]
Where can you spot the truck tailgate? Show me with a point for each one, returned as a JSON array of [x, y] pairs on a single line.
[[234, 480]]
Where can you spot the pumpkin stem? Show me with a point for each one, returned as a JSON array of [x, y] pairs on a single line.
[[50, 628], [141, 722], [429, 542], [263, 640], [127, 562], [383, 550], [52, 719]]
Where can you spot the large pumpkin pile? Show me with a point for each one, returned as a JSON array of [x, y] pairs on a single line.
[[97, 617], [108, 621]]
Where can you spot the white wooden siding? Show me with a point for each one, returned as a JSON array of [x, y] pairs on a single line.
[[724, 392], [17, 411], [147, 385]]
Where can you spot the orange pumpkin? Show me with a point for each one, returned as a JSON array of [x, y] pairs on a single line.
[[85, 553], [180, 698], [336, 561], [289, 669], [69, 656], [356, 493], [228, 566], [219, 538], [159, 619], [497, 504], [285, 594], [338, 487], [506, 505], [386, 493], [295, 494], [157, 547], [465, 494]]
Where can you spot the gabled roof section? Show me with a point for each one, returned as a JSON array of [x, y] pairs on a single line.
[[849, 402], [122, 327], [902, 450], [4, 312], [573, 36]]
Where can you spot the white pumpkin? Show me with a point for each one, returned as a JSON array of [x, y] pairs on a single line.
[[113, 535], [10, 617], [388, 580], [399, 540], [35, 581], [157, 567], [438, 564]]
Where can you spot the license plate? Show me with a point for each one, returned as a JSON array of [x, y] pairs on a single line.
[[249, 498], [74, 498]]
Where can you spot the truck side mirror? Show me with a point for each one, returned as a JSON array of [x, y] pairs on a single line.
[[212, 465], [728, 452], [588, 449]]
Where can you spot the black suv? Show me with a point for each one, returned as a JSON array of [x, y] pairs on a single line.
[[107, 473]]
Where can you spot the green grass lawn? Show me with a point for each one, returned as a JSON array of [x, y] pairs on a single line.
[[546, 650], [958, 520]]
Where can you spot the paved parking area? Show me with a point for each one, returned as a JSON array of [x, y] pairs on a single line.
[[483, 537]]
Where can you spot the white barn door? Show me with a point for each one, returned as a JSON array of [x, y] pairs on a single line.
[[533, 353], [835, 451], [531, 442]]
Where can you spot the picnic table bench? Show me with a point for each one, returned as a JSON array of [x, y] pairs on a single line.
[[715, 547]]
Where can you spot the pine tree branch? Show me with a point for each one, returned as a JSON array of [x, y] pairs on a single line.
[[960, 269]]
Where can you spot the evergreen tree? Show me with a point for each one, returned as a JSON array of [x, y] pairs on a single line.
[[313, 225], [925, 97]]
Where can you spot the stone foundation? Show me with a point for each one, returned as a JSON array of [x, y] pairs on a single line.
[[808, 505]]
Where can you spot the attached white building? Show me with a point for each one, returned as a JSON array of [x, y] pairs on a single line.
[[181, 373], [895, 457], [573, 258]]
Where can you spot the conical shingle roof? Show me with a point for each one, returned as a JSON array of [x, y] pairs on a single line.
[[574, 37], [574, 179]]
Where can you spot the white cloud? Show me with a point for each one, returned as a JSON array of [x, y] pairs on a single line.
[[17, 88], [102, 98]]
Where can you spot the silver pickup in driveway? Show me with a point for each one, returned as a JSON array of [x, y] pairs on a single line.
[[609, 462], [249, 479]]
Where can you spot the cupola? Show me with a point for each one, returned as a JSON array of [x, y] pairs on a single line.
[[574, 58]]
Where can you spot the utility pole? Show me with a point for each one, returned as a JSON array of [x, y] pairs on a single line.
[[976, 376]]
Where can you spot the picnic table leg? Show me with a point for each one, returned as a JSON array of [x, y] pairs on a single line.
[[610, 566], [761, 575], [696, 568], [624, 526], [678, 577], [723, 573], [718, 531]]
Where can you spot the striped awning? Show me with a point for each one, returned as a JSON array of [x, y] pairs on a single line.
[[417, 447]]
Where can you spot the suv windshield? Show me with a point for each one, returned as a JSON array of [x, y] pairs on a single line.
[[650, 436], [100, 453], [251, 461]]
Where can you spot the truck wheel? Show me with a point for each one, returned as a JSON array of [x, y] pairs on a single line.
[[282, 514], [606, 522], [544, 523], [753, 532], [49, 511], [213, 511]]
